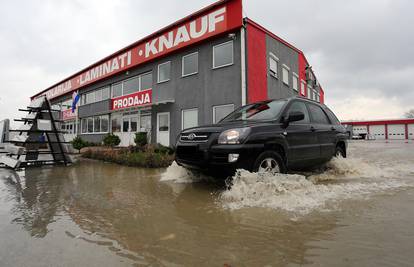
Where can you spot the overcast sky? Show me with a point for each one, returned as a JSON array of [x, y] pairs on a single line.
[[361, 51]]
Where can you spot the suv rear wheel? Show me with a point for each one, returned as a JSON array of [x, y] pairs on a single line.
[[269, 162]]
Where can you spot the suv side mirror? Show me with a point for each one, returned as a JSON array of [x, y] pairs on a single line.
[[296, 116], [293, 116]]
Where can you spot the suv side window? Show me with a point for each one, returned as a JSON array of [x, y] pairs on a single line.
[[299, 106], [332, 117], [317, 114]]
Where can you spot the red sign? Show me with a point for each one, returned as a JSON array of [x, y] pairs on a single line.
[[138, 99], [221, 17], [69, 115]]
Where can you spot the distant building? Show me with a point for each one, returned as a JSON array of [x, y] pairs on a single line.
[[397, 129], [192, 72]]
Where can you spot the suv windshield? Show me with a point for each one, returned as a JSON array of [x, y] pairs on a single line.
[[258, 111]]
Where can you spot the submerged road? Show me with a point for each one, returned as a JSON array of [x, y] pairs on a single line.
[[355, 212]]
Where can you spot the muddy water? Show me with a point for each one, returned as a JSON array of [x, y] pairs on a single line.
[[355, 212]]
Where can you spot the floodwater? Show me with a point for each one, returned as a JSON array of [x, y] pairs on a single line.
[[355, 212]]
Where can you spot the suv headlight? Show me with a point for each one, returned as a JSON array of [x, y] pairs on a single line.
[[233, 136]]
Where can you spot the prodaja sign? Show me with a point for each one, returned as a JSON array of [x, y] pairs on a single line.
[[138, 99], [219, 18], [69, 115]]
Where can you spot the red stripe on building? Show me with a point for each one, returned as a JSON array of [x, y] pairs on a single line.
[[380, 122], [256, 63], [302, 73], [322, 95]]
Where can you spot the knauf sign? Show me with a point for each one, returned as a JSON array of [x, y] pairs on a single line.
[[138, 99]]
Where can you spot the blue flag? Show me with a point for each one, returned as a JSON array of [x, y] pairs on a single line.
[[75, 99]]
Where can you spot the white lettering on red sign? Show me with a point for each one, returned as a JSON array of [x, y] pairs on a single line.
[[226, 17], [106, 68], [184, 33], [137, 99]]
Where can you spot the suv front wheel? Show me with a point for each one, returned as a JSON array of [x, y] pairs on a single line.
[[269, 162]]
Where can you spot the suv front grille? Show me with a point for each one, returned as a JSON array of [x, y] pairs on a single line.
[[194, 137], [191, 153]]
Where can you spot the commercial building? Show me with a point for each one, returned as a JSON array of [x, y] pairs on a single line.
[[192, 72], [397, 129]]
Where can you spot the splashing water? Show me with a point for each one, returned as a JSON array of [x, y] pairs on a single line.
[[180, 175], [343, 179]]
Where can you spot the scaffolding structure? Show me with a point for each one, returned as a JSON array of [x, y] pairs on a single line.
[[39, 141]]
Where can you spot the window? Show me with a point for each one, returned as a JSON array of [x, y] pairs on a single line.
[[164, 70], [95, 96], [295, 82], [318, 115], [145, 122], [96, 124], [125, 125], [90, 125], [130, 86], [105, 93], [223, 54], [104, 123], [189, 118], [90, 97], [332, 117], [285, 74], [267, 110], [98, 95], [190, 64], [116, 89], [301, 107], [116, 123], [315, 95], [309, 92], [84, 123], [303, 87], [219, 112], [146, 81], [273, 65]]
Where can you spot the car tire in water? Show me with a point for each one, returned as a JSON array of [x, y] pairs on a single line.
[[269, 162], [339, 152]]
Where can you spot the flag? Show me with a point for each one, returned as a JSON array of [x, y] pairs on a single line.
[[75, 100]]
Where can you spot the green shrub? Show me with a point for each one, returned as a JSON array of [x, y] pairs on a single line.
[[78, 143], [163, 149], [111, 140], [141, 139]]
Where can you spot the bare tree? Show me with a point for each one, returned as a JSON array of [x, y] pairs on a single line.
[[410, 114]]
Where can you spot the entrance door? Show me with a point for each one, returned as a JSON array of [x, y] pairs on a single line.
[[163, 128], [129, 128]]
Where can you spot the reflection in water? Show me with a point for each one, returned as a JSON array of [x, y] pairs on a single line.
[[131, 214], [37, 199]]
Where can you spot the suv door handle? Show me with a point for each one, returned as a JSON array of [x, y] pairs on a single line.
[[312, 129], [333, 128]]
